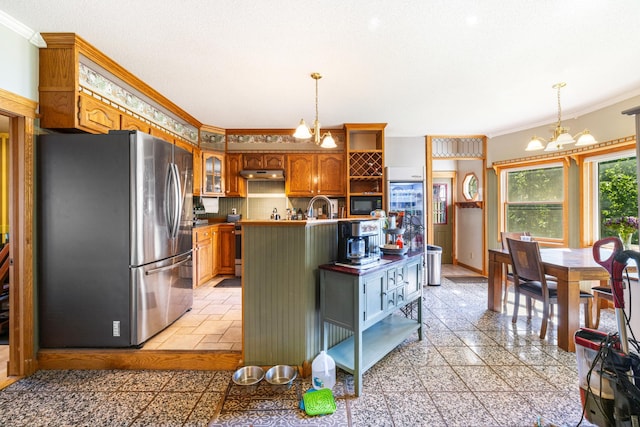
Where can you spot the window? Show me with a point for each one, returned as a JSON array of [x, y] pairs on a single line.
[[439, 203], [615, 187], [534, 200]]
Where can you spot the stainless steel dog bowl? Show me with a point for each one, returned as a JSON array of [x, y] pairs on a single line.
[[281, 374], [248, 375]]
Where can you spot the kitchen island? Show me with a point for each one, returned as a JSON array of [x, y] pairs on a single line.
[[280, 305]]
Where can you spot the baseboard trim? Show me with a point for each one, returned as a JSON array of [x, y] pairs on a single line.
[[137, 359]]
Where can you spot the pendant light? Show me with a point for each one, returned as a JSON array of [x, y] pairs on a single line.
[[561, 134], [303, 131]]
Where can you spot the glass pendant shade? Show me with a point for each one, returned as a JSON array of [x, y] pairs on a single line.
[[302, 131], [585, 139], [552, 146], [328, 141], [534, 144], [564, 138]]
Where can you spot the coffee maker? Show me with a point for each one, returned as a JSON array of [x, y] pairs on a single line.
[[358, 241]]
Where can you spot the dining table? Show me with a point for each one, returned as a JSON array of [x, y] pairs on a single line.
[[570, 266]]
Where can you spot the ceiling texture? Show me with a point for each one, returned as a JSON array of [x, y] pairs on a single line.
[[422, 66]]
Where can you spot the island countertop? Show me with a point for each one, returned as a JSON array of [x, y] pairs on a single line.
[[287, 223], [386, 261]]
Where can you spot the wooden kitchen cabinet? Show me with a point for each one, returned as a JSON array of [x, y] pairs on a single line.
[[202, 255], [215, 250], [131, 123], [263, 161], [235, 185], [212, 174], [227, 251], [308, 175], [82, 89], [197, 171], [97, 116], [365, 160]]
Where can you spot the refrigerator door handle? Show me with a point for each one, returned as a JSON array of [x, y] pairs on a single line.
[[168, 202], [168, 267], [173, 200], [178, 200]]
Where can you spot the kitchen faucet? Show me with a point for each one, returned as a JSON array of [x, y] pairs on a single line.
[[326, 199]]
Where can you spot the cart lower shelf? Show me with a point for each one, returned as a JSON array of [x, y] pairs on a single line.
[[377, 342]]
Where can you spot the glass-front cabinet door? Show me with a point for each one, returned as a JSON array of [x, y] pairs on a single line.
[[213, 175]]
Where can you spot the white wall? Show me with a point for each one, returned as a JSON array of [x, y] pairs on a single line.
[[469, 228], [19, 70], [404, 151]]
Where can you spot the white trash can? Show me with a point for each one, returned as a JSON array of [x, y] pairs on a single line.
[[434, 265]]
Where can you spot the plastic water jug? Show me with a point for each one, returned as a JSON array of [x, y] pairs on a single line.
[[323, 371]]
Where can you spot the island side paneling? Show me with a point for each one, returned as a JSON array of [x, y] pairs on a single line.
[[281, 308]]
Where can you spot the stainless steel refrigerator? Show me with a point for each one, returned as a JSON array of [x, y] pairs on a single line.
[[113, 238], [406, 195]]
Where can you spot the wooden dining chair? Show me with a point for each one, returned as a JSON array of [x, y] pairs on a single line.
[[508, 273], [530, 281]]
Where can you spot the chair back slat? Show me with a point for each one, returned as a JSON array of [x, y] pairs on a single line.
[[526, 260], [504, 235]]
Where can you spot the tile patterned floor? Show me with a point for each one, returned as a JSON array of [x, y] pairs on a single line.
[[213, 323], [474, 368]]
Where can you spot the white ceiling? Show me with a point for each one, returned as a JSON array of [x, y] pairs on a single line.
[[422, 66]]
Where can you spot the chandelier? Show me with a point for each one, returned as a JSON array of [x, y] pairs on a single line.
[[303, 131], [561, 134]]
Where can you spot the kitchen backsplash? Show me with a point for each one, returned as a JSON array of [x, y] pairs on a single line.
[[258, 207]]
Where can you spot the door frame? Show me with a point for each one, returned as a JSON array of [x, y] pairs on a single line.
[[22, 114]]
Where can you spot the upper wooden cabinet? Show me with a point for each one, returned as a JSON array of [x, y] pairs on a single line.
[[235, 185], [82, 89], [212, 174], [365, 160], [197, 172], [308, 175], [263, 161], [97, 116]]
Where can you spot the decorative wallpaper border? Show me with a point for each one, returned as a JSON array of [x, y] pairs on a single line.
[[276, 139], [96, 82]]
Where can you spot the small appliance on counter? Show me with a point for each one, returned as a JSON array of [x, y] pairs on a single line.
[[359, 240]]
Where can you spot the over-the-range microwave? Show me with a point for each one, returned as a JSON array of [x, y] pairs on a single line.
[[364, 205]]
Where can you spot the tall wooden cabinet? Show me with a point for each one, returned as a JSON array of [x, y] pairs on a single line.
[[308, 175], [227, 249], [235, 185], [365, 160]]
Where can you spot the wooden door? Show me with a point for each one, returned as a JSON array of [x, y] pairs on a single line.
[[212, 174], [300, 175], [442, 217], [331, 175], [227, 250], [235, 185], [273, 161], [253, 161]]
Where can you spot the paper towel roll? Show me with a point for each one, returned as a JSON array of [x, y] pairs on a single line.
[[210, 204]]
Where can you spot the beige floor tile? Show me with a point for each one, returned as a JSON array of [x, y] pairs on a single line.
[[214, 346], [213, 327], [232, 315], [232, 335], [214, 309], [181, 342], [191, 320], [209, 338]]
